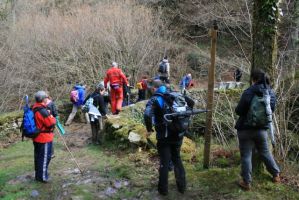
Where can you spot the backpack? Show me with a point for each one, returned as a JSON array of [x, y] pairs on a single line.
[[86, 106], [162, 67], [139, 85], [28, 127], [175, 103], [259, 114], [74, 96]]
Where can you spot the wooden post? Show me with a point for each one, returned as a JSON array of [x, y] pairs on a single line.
[[208, 131]]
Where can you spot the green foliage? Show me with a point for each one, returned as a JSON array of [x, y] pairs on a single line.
[[193, 60], [11, 116], [297, 74], [269, 14]]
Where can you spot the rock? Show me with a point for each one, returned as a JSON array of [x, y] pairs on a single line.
[[134, 137], [117, 184], [77, 198], [110, 191], [34, 193], [116, 126], [126, 183]]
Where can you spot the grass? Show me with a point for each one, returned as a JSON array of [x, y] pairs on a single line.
[[139, 168]]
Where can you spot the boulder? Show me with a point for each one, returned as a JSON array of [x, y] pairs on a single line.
[[128, 127]]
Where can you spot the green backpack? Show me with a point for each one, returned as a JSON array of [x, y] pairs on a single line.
[[259, 114]]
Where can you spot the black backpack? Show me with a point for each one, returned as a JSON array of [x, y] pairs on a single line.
[[174, 105], [162, 67]]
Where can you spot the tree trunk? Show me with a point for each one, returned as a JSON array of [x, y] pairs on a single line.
[[295, 34], [264, 39], [264, 47]]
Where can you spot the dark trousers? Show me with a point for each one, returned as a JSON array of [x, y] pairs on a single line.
[[96, 127], [164, 79], [248, 139], [170, 151], [42, 157], [141, 95]]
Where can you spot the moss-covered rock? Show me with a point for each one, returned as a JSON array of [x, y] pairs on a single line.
[[130, 121]]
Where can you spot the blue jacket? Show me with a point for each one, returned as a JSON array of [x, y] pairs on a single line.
[[244, 104], [81, 93], [154, 113], [185, 81]]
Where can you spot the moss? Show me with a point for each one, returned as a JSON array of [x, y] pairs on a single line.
[[11, 116], [297, 74]]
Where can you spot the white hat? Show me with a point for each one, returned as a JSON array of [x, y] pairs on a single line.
[[114, 64]]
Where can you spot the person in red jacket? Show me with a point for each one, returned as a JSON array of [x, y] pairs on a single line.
[[45, 122], [116, 79]]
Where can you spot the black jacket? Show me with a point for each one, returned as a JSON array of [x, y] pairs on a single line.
[[244, 104], [153, 115], [98, 102]]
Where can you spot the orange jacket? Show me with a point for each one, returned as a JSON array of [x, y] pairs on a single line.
[[44, 122], [114, 75]]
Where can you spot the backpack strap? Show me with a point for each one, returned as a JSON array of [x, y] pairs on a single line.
[[44, 112]]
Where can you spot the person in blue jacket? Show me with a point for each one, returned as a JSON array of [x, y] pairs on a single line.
[[168, 143], [78, 104], [250, 137], [186, 83]]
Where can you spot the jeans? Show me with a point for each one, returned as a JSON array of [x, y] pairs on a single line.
[[170, 151], [248, 139]]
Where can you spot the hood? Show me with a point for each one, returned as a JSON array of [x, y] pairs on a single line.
[[165, 60], [259, 88], [162, 90], [77, 87]]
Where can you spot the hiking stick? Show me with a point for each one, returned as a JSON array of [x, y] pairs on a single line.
[[81, 171]]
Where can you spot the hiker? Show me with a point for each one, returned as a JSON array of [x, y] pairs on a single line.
[[142, 88], [77, 98], [168, 146], [45, 122], [96, 122], [126, 92], [186, 83], [53, 111], [250, 136], [238, 75], [116, 78], [164, 70]]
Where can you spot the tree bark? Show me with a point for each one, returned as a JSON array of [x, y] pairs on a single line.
[[264, 48], [264, 38]]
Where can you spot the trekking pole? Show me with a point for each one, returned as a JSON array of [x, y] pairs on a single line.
[[167, 117], [81, 171]]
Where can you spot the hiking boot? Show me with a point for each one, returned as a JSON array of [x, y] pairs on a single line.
[[164, 193], [244, 185], [276, 178], [181, 190]]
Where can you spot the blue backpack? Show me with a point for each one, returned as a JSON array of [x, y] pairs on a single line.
[[28, 127]]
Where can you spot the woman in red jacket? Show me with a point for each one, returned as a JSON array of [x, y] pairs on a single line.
[[45, 122]]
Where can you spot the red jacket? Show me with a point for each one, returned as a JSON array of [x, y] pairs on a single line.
[[44, 122], [114, 75]]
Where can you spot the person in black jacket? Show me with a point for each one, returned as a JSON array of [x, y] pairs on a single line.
[[99, 102], [250, 137], [168, 143]]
